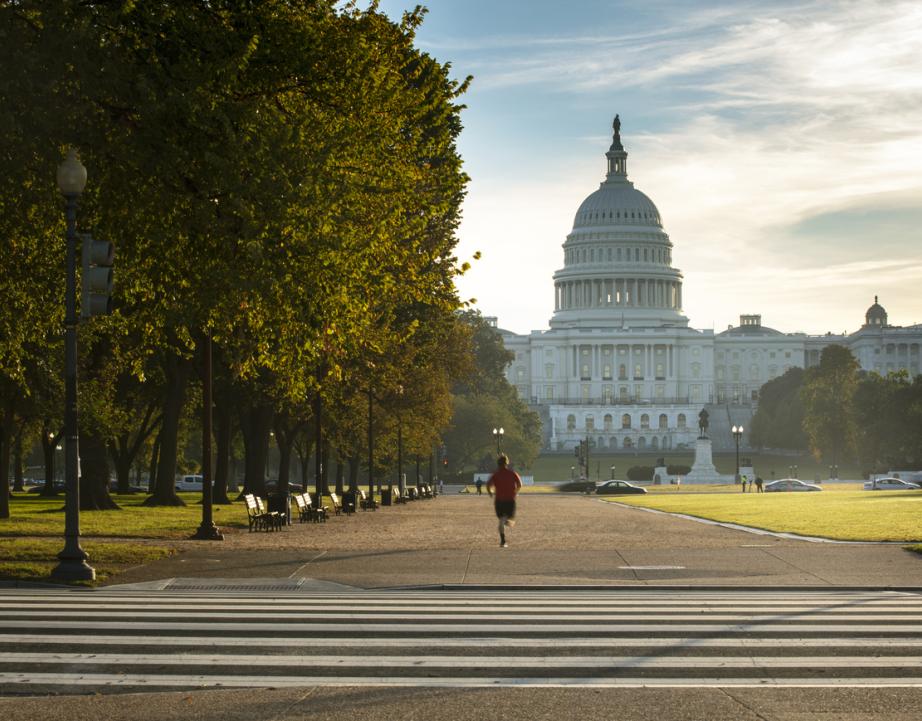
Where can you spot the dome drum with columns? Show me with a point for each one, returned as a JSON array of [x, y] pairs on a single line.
[[620, 365]]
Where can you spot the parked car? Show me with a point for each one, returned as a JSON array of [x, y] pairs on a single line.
[[791, 484], [272, 486], [891, 484], [611, 488], [189, 483], [58, 487]]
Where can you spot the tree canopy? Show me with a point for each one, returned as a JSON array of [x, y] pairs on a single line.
[[280, 176]]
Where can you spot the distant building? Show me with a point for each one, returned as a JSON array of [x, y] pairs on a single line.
[[620, 364]]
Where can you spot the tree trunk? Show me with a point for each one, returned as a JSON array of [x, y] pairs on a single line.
[[6, 438], [18, 484], [119, 452], [340, 474], [325, 468], [254, 425], [94, 474], [284, 444], [164, 491], [154, 459], [223, 437], [303, 449], [355, 463]]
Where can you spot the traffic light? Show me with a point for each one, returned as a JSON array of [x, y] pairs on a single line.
[[96, 295]]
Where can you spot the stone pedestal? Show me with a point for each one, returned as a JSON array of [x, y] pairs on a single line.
[[703, 470]]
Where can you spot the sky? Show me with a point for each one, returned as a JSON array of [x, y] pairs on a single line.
[[781, 142]]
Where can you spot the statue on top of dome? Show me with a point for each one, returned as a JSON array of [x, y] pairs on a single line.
[[616, 125]]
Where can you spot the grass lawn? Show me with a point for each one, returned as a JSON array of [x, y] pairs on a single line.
[[35, 515], [32, 559], [843, 514]]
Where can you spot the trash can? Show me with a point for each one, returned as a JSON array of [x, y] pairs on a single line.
[[387, 496], [280, 502], [350, 501]]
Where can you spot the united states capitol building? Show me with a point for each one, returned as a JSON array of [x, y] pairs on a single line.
[[620, 364]]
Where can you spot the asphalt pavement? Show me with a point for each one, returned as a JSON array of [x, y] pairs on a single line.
[[558, 540]]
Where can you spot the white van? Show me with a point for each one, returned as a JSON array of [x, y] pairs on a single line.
[[189, 483]]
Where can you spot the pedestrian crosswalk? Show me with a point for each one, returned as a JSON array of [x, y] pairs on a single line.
[[77, 639]]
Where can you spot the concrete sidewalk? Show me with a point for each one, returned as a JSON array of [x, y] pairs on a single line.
[[558, 540]]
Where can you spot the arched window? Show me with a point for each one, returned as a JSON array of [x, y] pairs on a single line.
[[644, 421], [628, 443], [663, 422], [590, 423], [622, 372], [571, 422], [654, 443], [641, 442], [606, 422], [626, 421], [680, 421]]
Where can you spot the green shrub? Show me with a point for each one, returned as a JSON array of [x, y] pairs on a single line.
[[677, 470], [640, 473]]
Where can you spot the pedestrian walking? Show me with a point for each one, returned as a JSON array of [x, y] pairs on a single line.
[[759, 484], [750, 485], [503, 486], [441, 486], [479, 484], [743, 483]]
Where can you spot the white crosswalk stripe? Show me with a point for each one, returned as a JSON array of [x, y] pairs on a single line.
[[51, 640]]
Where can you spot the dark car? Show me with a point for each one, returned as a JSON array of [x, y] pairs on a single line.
[[57, 487], [611, 488]]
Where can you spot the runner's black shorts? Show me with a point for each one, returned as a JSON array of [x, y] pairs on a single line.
[[504, 509]]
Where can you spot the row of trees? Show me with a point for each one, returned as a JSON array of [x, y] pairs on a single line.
[[841, 413], [280, 177]]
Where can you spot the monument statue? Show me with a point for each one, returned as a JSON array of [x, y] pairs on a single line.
[[616, 125], [703, 423]]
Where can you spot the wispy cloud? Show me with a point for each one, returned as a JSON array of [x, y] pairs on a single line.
[[770, 118]]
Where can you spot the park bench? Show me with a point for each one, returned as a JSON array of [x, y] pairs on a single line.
[[318, 511], [412, 493], [337, 504], [400, 497], [256, 515], [425, 490], [306, 510], [273, 519], [365, 502]]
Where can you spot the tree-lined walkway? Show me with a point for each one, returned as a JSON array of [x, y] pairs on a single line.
[[557, 540]]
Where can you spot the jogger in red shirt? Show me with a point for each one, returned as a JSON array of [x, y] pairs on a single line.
[[506, 483]]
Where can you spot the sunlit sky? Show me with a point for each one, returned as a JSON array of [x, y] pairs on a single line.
[[781, 142]]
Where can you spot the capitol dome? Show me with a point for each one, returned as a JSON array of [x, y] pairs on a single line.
[[617, 203], [617, 259]]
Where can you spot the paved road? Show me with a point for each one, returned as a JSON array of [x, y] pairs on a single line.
[[78, 642]]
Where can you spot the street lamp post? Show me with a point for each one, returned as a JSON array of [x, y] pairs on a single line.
[[207, 530], [613, 473], [737, 434], [498, 435], [795, 470], [73, 564]]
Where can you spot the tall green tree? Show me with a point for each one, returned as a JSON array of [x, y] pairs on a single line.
[[779, 420], [827, 394]]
